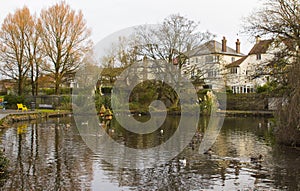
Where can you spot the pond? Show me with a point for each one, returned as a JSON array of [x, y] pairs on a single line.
[[51, 155]]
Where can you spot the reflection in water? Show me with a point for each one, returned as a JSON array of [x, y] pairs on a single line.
[[50, 155], [45, 157]]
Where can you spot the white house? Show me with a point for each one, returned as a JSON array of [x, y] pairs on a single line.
[[209, 61], [244, 75]]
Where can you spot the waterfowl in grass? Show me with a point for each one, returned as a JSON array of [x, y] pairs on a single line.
[[183, 161], [161, 131], [256, 159], [85, 123], [208, 152]]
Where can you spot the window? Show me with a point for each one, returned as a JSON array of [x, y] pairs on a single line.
[[216, 58], [233, 70], [196, 60], [211, 59], [232, 59], [258, 56], [212, 73], [208, 59], [242, 89]]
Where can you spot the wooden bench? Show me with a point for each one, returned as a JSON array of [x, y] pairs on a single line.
[[21, 107], [46, 106]]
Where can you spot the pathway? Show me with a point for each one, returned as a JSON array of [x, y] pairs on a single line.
[[4, 113]]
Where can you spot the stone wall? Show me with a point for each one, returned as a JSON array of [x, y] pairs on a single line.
[[247, 102]]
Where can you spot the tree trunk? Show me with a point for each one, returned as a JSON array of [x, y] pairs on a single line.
[[20, 86], [32, 80]]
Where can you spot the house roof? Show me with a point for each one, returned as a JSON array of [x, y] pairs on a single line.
[[112, 72], [237, 62], [8, 83], [261, 47], [211, 47]]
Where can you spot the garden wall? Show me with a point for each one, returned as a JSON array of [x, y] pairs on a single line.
[[247, 102]]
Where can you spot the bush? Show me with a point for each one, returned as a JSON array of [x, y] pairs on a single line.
[[65, 90], [262, 89], [47, 91], [66, 102], [12, 101], [267, 88], [106, 89]]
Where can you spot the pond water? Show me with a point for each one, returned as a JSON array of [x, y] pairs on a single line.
[[51, 155]]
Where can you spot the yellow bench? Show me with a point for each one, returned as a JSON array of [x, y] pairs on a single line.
[[22, 107]]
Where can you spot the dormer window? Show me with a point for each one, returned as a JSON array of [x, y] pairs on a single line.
[[258, 56]]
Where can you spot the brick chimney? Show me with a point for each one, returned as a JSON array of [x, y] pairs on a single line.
[[224, 47], [238, 46]]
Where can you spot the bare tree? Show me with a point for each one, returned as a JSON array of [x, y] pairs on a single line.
[[121, 54], [14, 34], [165, 42], [169, 39], [33, 54], [65, 38], [280, 20]]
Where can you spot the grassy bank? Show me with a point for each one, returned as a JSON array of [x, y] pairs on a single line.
[[13, 117]]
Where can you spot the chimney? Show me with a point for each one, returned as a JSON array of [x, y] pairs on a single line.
[[224, 47], [257, 39], [238, 46]]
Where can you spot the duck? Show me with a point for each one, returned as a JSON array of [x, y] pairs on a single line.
[[161, 131], [85, 123], [192, 145], [208, 152], [256, 159], [183, 161], [111, 130]]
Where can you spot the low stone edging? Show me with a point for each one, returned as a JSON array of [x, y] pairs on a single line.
[[28, 116]]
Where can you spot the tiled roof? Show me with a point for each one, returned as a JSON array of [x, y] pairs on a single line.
[[112, 72], [261, 47], [211, 47], [236, 63]]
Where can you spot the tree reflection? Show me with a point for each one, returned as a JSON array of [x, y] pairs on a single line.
[[51, 155], [46, 158]]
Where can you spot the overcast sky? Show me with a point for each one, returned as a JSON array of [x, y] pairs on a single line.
[[221, 17]]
